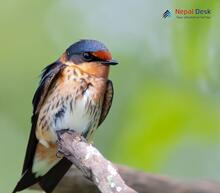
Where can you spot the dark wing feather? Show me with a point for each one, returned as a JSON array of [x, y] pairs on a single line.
[[107, 102], [32, 143], [49, 76]]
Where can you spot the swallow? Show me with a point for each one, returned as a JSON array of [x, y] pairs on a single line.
[[74, 94]]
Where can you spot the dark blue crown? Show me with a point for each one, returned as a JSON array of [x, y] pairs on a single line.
[[85, 46]]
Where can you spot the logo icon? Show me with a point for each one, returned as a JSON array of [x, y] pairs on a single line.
[[166, 14]]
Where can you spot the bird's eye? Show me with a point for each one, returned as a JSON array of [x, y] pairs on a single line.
[[87, 56]]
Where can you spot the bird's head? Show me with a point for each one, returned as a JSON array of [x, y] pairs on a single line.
[[91, 56]]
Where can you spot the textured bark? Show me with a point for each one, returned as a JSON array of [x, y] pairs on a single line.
[[101, 175]]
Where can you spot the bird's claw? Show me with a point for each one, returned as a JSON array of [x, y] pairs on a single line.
[[59, 154], [61, 132]]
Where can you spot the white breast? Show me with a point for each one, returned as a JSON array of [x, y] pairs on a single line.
[[76, 118]]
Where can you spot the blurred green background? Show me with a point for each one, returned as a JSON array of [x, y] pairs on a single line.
[[165, 116]]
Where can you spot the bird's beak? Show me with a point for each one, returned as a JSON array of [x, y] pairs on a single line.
[[110, 62]]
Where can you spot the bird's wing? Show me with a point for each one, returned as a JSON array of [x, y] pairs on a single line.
[[49, 76], [107, 102]]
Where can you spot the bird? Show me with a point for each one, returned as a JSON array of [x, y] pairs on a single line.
[[74, 94]]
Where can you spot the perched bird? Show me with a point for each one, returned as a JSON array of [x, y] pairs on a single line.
[[74, 94]]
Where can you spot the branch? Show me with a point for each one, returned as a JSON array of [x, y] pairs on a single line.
[[92, 164], [104, 177]]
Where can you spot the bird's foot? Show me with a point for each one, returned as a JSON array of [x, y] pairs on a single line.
[[60, 153], [61, 132]]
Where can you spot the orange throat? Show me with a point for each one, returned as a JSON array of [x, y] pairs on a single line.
[[95, 69]]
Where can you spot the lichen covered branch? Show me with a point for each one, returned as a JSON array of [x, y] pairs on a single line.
[[102, 176], [92, 164]]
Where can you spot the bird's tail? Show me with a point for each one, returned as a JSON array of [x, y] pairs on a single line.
[[27, 179], [47, 182]]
